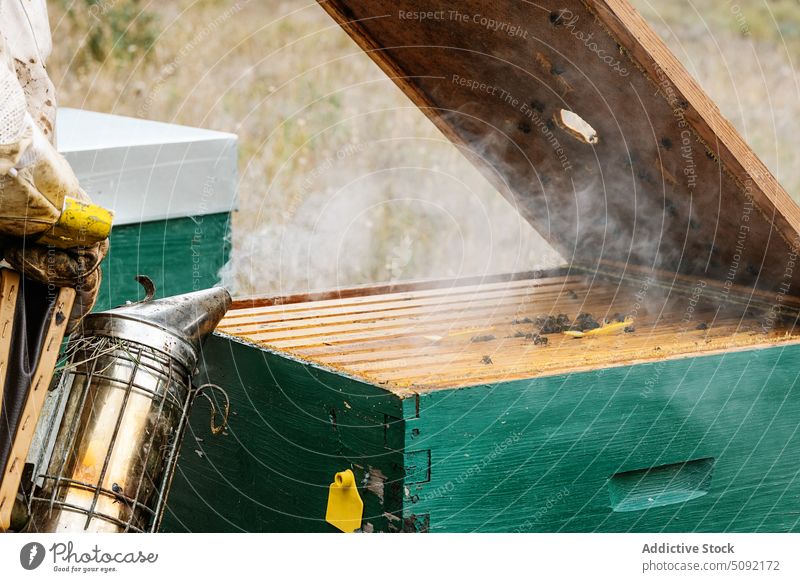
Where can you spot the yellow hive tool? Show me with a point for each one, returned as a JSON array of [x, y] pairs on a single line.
[[606, 329]]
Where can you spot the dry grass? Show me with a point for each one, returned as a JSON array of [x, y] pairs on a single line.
[[745, 53], [344, 182]]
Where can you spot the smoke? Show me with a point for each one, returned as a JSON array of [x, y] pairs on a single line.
[[356, 185], [400, 204]]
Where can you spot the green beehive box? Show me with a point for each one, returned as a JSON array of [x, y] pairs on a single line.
[[443, 399], [172, 188], [453, 420]]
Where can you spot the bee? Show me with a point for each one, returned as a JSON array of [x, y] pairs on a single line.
[[119, 493]]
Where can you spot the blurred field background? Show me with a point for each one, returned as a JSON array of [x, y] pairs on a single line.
[[343, 181]]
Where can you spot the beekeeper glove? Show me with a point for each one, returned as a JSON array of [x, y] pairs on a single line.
[[35, 177], [78, 268], [34, 182]]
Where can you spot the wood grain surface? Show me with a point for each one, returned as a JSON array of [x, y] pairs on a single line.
[[669, 182], [40, 382], [474, 334]]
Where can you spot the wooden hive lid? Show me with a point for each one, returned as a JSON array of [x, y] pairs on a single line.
[[669, 184]]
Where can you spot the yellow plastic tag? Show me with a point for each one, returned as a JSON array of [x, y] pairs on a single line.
[[345, 508]]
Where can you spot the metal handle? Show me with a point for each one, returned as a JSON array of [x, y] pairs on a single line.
[[215, 428]]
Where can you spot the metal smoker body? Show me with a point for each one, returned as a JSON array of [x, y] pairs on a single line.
[[129, 395]]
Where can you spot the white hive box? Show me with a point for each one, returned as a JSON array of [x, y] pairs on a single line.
[[172, 189]]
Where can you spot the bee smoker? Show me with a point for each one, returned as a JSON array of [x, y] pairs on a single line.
[[129, 396]]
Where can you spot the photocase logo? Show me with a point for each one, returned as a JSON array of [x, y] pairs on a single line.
[[31, 555]]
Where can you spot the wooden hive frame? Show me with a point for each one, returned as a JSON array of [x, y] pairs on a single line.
[[11, 291], [453, 335]]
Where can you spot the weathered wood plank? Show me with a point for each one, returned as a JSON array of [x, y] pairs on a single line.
[[40, 378], [259, 301], [9, 286], [376, 299], [668, 184]]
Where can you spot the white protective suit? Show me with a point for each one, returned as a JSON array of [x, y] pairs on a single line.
[[26, 33], [34, 178], [25, 44], [33, 199]]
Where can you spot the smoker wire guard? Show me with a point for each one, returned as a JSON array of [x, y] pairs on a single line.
[[147, 348]]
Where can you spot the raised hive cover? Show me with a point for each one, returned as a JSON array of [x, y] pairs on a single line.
[[658, 178]]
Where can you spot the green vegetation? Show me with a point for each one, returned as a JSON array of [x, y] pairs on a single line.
[[116, 31]]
